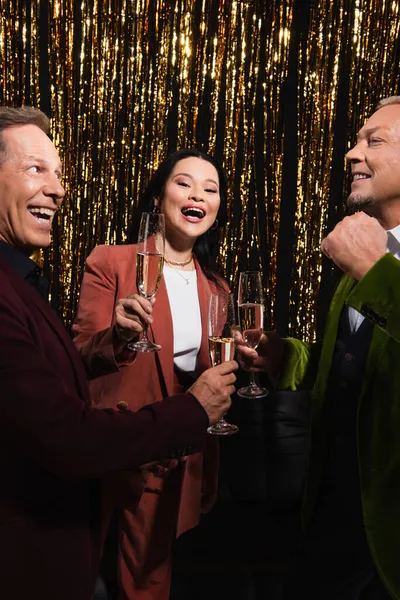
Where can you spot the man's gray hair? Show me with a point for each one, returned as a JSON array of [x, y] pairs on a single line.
[[17, 117], [388, 101]]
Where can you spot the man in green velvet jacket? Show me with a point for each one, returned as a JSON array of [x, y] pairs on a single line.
[[351, 544]]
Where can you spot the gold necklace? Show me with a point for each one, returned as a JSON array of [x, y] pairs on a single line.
[[179, 264]]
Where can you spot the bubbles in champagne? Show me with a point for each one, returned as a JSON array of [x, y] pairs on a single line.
[[251, 321], [221, 349], [149, 269]]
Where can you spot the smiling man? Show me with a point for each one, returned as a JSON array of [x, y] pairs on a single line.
[[351, 545], [53, 446], [30, 187]]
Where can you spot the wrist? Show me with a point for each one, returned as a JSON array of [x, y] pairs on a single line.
[[365, 267], [120, 339]]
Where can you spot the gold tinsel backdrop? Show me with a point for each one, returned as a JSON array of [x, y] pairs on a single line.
[[276, 90]]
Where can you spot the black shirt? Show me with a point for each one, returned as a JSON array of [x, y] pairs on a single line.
[[25, 267]]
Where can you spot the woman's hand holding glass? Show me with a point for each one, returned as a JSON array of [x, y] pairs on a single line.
[[130, 316]]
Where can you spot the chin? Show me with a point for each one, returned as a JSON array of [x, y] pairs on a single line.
[[357, 203], [38, 242]]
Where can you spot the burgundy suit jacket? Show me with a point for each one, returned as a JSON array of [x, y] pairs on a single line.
[[110, 274], [54, 447]]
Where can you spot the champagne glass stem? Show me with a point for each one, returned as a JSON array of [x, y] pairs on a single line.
[[253, 383], [145, 339]]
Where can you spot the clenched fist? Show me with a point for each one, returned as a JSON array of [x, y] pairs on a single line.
[[213, 389], [356, 244]]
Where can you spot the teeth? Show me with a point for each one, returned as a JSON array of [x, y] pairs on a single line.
[[357, 176], [197, 212], [41, 211]]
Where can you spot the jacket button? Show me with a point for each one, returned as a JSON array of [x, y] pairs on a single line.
[[348, 357], [122, 405]]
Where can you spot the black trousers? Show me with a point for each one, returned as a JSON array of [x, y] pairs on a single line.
[[324, 571], [364, 585]]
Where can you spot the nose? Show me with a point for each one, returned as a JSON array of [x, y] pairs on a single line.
[[196, 194], [356, 154], [54, 189]]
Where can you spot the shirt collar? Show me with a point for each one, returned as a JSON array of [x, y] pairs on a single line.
[[21, 263], [393, 245]]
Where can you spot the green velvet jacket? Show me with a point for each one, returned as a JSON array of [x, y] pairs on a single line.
[[377, 297]]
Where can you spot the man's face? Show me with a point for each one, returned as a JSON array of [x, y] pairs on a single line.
[[30, 188], [375, 163]]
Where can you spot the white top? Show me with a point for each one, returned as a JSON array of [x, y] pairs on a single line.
[[393, 246], [186, 319]]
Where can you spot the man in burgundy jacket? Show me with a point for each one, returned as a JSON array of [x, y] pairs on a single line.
[[53, 446]]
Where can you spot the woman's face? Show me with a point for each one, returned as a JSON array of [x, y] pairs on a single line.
[[191, 199]]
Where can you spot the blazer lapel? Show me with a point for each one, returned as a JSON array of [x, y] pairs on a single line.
[[328, 344], [204, 291], [60, 332], [163, 334], [378, 344]]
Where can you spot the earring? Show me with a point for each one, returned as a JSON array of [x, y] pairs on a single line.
[[156, 208], [214, 226]]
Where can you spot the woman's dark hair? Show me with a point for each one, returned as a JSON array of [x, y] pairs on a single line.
[[206, 245]]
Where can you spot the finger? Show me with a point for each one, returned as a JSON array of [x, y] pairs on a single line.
[[145, 304], [131, 324], [226, 367], [262, 362], [231, 390], [132, 308], [237, 335], [244, 365], [324, 247], [229, 379], [246, 352], [135, 300]]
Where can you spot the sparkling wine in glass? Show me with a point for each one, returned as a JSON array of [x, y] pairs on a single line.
[[251, 316], [221, 344], [149, 267]]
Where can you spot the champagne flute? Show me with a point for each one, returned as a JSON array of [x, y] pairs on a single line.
[[251, 313], [149, 267], [221, 345]]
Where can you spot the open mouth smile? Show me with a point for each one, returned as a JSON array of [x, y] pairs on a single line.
[[42, 216], [358, 176], [193, 213]]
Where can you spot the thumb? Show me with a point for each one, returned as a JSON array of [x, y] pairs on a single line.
[[324, 247]]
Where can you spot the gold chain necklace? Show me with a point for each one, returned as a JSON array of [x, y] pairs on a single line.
[[178, 264]]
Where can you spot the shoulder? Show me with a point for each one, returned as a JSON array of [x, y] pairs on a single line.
[[9, 280], [112, 252], [109, 263], [15, 294], [111, 256]]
